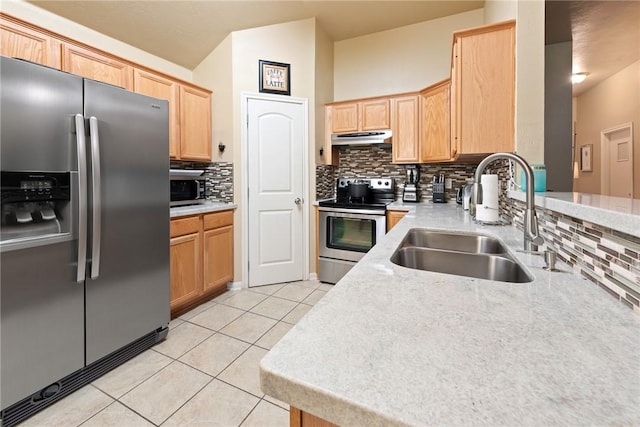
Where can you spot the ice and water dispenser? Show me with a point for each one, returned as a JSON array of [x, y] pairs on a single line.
[[34, 204]]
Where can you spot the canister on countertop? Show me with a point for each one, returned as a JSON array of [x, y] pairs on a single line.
[[539, 178]]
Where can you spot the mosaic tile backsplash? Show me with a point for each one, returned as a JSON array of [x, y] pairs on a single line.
[[373, 161], [218, 176], [604, 256]]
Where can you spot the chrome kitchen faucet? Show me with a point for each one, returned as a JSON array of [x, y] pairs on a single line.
[[531, 236]]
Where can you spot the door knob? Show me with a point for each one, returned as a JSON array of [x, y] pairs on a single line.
[[297, 201]]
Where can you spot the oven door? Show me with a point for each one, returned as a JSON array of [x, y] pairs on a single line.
[[347, 234]]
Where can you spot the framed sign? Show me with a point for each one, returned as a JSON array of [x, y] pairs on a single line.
[[586, 158], [274, 77]]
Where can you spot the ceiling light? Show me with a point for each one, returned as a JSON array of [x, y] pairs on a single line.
[[578, 77]]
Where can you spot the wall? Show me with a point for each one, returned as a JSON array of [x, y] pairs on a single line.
[[237, 62], [324, 94], [529, 105], [324, 86], [35, 15], [613, 102], [212, 72], [530, 80], [557, 116], [400, 60]]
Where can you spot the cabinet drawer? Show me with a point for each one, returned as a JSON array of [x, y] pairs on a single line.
[[182, 226], [218, 219]]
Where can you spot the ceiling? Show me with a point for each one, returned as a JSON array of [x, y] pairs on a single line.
[[185, 32], [605, 34]]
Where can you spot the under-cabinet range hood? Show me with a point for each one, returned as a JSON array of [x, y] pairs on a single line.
[[380, 137]]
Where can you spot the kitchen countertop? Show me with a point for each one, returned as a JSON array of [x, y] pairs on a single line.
[[614, 212], [390, 345], [209, 206]]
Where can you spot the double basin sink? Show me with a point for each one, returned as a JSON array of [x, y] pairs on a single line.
[[465, 254]]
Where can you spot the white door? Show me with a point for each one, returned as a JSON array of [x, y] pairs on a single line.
[[617, 171], [275, 157]]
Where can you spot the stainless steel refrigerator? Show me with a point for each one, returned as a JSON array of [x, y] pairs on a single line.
[[84, 234]]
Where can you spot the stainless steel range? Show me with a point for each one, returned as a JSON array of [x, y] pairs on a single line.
[[351, 224]]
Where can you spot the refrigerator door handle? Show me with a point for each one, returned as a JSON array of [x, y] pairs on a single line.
[[82, 197], [97, 197]]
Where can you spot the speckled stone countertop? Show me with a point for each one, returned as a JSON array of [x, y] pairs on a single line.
[[614, 212], [199, 209], [395, 346]]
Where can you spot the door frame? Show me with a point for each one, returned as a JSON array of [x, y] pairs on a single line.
[[244, 120], [605, 142]]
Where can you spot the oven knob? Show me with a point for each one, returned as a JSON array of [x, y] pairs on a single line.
[[379, 182]]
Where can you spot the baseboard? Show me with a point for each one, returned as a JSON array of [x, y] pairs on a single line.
[[235, 286]]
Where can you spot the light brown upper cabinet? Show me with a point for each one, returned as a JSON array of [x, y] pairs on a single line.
[[405, 128], [358, 115], [189, 105], [361, 115], [152, 84], [195, 124], [20, 41], [482, 90], [94, 65], [435, 141]]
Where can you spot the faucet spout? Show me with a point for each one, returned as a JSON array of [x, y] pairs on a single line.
[[532, 237]]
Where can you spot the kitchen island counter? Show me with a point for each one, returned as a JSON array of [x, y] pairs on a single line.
[[390, 345]]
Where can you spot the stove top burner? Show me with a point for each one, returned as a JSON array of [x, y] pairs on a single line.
[[382, 192]]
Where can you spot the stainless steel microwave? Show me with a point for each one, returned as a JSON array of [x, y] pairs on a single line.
[[187, 186]]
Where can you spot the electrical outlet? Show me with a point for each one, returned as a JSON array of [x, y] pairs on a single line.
[[447, 183]]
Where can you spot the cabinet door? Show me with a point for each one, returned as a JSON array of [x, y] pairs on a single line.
[[96, 66], [218, 258], [329, 155], [485, 87], [435, 143], [195, 124], [186, 282], [17, 41], [454, 99], [157, 86], [375, 115], [344, 118], [405, 144], [393, 217]]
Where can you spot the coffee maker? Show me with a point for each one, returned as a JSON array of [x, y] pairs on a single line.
[[411, 192]]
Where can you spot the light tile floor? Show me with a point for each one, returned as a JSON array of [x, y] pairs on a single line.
[[204, 373]]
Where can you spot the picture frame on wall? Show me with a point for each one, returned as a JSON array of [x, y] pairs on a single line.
[[275, 77], [586, 158]]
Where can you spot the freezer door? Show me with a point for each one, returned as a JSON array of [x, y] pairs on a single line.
[[38, 106], [41, 304], [127, 286]]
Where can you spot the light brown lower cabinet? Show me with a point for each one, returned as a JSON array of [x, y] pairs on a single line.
[[201, 258], [298, 418], [393, 217]]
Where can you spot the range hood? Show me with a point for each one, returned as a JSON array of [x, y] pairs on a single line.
[[380, 137]]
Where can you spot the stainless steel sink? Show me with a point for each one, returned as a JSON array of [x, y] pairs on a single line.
[[453, 241], [463, 254]]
